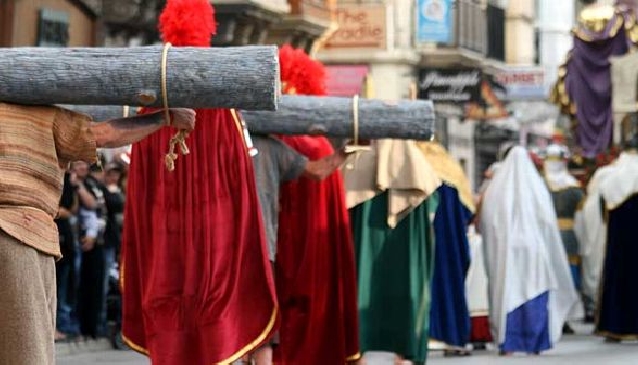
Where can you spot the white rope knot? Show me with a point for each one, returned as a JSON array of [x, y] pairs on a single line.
[[180, 137]]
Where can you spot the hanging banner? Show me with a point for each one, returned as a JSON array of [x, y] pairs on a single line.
[[523, 83], [434, 21], [480, 94], [489, 106]]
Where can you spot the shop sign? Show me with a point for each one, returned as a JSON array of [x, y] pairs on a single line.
[[360, 26], [450, 85]]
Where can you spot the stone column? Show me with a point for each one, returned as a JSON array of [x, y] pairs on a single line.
[[555, 21]]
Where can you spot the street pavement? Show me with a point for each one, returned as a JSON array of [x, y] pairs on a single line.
[[574, 349]]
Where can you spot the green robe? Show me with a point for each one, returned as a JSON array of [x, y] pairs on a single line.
[[394, 271]]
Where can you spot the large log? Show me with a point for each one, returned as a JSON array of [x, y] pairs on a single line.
[[329, 116], [101, 113], [334, 117], [235, 77]]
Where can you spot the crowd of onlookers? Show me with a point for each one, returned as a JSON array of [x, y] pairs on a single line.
[[89, 222]]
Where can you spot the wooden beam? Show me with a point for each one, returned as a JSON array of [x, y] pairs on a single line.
[[329, 116], [334, 117], [235, 77]]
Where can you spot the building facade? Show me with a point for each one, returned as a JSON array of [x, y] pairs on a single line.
[[49, 23], [454, 52], [239, 22], [479, 61]]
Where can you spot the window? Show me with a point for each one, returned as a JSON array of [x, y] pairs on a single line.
[[495, 33], [53, 29], [470, 19], [537, 47]]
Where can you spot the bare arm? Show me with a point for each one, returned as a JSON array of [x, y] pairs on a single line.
[[87, 198], [125, 131], [322, 168]]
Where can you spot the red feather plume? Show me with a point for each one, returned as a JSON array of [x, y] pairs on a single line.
[[188, 23], [300, 74]]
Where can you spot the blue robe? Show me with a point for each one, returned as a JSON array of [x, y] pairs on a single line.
[[449, 314], [618, 308], [528, 327]]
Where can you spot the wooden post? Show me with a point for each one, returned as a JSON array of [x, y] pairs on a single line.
[[235, 77], [329, 116]]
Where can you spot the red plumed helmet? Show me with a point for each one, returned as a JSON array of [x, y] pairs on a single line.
[[300, 74], [188, 23]]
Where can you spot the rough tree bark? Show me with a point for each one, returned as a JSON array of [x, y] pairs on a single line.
[[235, 77], [329, 116], [334, 117]]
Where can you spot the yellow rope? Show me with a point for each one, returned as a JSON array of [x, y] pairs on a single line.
[[163, 81], [355, 145], [355, 111], [179, 137]]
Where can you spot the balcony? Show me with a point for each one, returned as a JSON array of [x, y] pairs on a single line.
[[307, 21], [277, 6], [478, 32], [242, 22], [312, 10], [125, 15], [470, 26]]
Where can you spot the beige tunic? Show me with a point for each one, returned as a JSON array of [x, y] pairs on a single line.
[[36, 145]]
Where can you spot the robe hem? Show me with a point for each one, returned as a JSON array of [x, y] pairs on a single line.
[[446, 345], [616, 336], [354, 357], [135, 347], [234, 357]]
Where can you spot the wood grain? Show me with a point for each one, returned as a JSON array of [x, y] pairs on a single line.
[[234, 77]]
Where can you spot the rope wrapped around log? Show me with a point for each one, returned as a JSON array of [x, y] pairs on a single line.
[[328, 116], [234, 77], [334, 117]]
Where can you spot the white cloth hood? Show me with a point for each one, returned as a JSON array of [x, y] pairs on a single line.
[[523, 249]]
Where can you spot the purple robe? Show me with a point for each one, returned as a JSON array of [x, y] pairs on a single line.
[[588, 81]]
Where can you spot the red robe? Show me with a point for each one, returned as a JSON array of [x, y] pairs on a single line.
[[196, 281], [316, 277]]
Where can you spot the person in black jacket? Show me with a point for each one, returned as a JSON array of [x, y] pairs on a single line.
[[66, 277]]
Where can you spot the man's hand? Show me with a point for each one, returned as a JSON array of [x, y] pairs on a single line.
[[124, 131], [322, 168], [63, 213], [87, 243], [182, 118]]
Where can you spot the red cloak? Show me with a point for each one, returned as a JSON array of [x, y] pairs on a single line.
[[316, 278], [196, 281]]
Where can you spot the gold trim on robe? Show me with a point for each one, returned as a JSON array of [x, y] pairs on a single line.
[[565, 224]]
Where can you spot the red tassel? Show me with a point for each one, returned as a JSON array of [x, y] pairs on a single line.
[[188, 23], [300, 74]]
